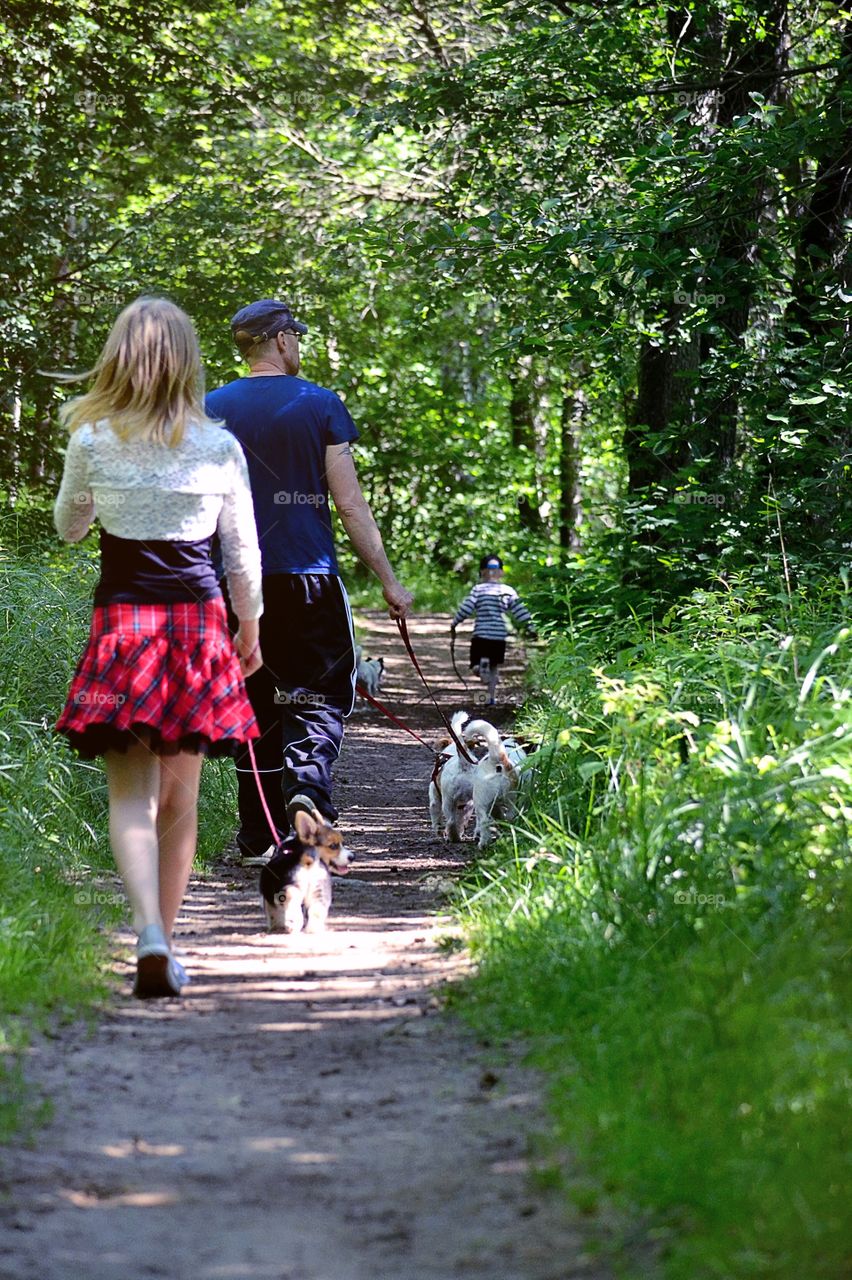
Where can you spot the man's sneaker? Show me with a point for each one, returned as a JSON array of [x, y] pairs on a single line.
[[256, 859], [297, 802], [156, 974]]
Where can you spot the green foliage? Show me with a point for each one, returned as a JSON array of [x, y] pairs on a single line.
[[554, 198], [615, 168], [668, 923]]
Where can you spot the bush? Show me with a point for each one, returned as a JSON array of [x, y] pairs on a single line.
[[666, 922]]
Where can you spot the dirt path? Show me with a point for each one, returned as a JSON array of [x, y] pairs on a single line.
[[307, 1111]]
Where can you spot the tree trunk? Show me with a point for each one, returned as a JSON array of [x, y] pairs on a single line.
[[523, 405], [521, 413], [819, 333], [665, 376], [821, 249], [15, 446], [666, 368], [752, 66], [570, 426]]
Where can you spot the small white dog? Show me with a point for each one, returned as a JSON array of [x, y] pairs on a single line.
[[451, 788], [496, 778], [296, 882], [370, 671]]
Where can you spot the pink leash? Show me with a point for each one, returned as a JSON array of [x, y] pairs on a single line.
[[406, 640], [276, 839]]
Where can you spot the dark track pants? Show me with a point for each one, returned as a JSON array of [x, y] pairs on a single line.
[[300, 697]]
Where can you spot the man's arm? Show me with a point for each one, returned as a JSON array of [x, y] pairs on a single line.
[[360, 525]]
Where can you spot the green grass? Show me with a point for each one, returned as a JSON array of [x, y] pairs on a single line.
[[60, 890], [668, 924]]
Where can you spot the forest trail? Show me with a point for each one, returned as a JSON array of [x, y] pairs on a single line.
[[307, 1111]]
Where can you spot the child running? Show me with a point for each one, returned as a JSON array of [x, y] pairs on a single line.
[[160, 682], [490, 600]]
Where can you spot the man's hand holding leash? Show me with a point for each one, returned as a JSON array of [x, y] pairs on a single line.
[[399, 600]]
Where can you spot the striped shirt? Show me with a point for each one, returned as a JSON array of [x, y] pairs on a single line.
[[490, 601]]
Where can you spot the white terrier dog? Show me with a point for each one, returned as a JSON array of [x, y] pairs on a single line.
[[496, 778], [451, 788], [370, 671]]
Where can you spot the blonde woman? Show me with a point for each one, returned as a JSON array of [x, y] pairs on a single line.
[[160, 682]]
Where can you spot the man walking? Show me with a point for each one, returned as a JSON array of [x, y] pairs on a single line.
[[296, 437]]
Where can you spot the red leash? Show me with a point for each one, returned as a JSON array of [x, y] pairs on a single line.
[[359, 689], [440, 759], [406, 640]]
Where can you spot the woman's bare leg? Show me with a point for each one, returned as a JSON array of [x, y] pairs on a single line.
[[177, 828], [133, 782]]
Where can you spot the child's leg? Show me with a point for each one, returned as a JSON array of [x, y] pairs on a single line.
[[177, 829], [494, 675], [133, 781]]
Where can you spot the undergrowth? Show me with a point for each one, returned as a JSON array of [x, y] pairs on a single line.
[[667, 921]]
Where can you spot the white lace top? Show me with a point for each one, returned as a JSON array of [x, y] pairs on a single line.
[[147, 491]]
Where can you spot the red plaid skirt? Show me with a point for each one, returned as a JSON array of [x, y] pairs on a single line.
[[164, 674]]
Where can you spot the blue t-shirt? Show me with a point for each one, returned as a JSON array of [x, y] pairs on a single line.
[[284, 425]]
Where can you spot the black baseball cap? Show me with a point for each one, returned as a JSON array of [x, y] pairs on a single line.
[[266, 318]]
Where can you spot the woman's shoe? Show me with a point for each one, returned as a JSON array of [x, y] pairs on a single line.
[[156, 975]]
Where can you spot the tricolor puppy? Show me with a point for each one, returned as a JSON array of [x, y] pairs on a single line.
[[296, 882], [370, 671], [495, 779]]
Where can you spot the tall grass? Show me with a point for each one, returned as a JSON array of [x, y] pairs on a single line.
[[60, 890], [667, 922]]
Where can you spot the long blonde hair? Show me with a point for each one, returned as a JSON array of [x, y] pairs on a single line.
[[148, 378]]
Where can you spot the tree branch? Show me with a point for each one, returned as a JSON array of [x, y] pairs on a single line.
[[428, 30], [728, 83]]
